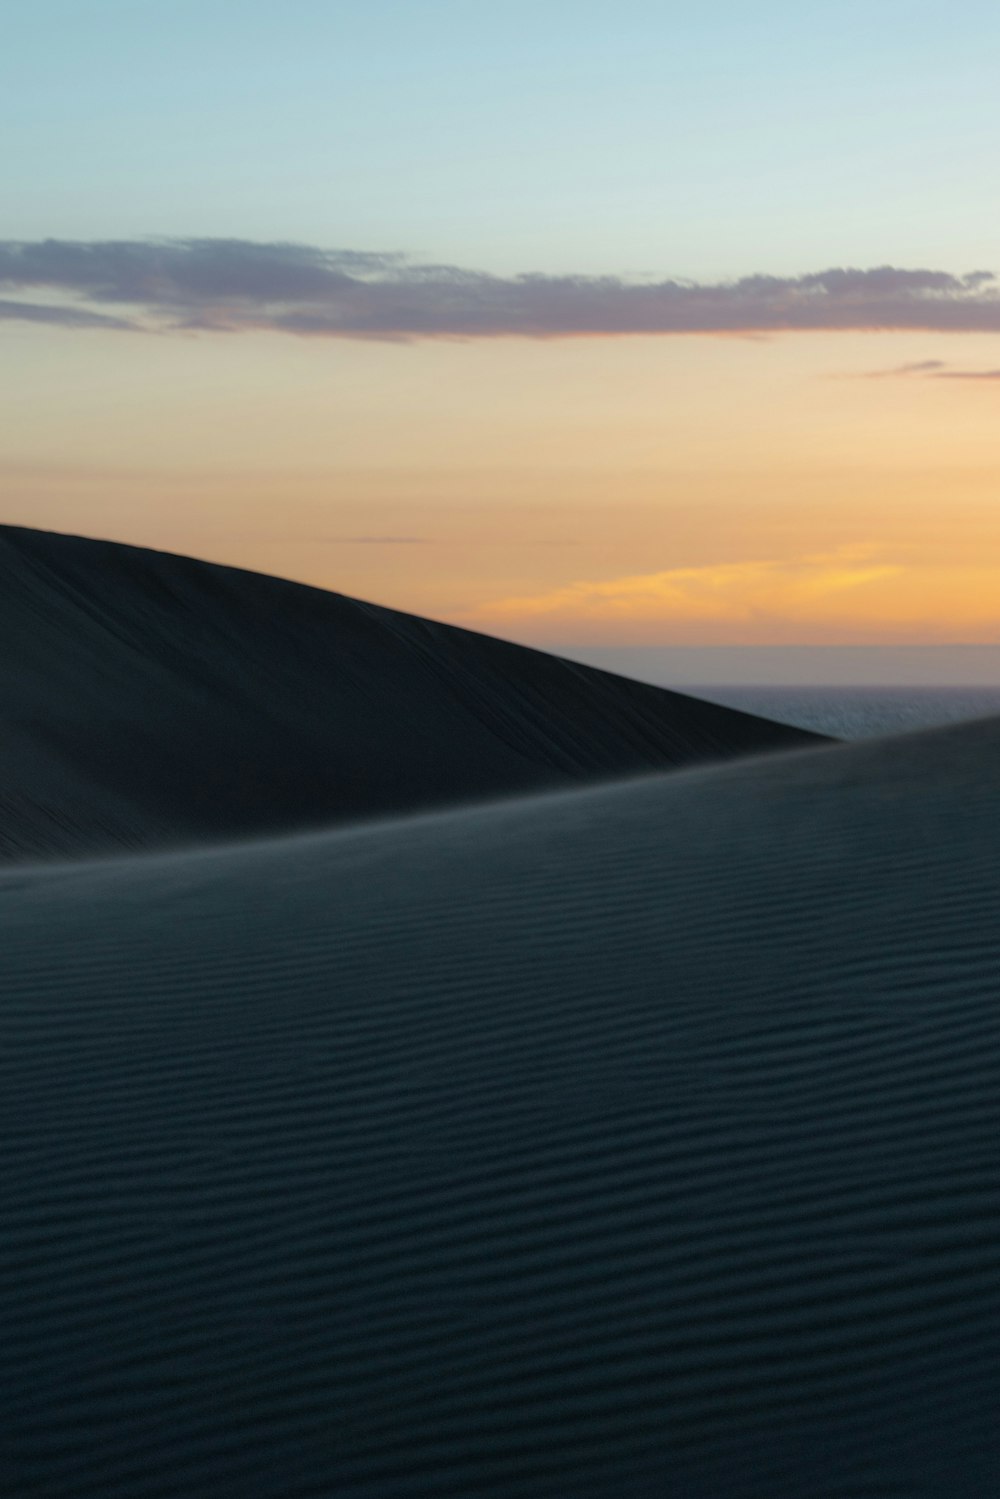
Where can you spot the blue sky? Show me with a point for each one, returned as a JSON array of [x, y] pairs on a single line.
[[704, 141]]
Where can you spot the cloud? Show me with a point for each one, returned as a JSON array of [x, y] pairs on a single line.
[[236, 285], [931, 369], [798, 588], [64, 317], [920, 367], [968, 375]]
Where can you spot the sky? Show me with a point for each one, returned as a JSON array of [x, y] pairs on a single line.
[[596, 327]]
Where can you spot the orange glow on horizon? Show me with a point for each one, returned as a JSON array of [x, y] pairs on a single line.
[[608, 491], [842, 597]]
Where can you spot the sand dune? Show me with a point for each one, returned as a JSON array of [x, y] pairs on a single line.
[[149, 699], [632, 1140]]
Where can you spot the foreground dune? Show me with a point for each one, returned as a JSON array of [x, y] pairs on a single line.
[[636, 1140], [153, 700]]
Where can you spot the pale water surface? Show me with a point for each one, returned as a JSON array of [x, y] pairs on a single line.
[[859, 712]]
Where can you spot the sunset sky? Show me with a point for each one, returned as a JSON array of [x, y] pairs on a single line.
[[590, 325]]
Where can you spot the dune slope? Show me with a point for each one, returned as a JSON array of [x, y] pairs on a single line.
[[634, 1140], [149, 699]]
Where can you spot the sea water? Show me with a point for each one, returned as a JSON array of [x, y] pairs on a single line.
[[858, 712]]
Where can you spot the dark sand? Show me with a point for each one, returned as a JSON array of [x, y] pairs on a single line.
[[147, 699], [633, 1140]]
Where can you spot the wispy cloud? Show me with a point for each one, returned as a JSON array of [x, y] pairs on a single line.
[[733, 592], [930, 369], [968, 375], [903, 371], [63, 317], [236, 285]]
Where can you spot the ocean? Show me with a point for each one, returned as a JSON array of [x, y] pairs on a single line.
[[858, 712]]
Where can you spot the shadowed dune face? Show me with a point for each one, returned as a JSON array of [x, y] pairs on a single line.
[[637, 1140], [149, 699]]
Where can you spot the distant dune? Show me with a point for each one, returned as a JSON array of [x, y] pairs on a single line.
[[631, 1140], [149, 699]]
